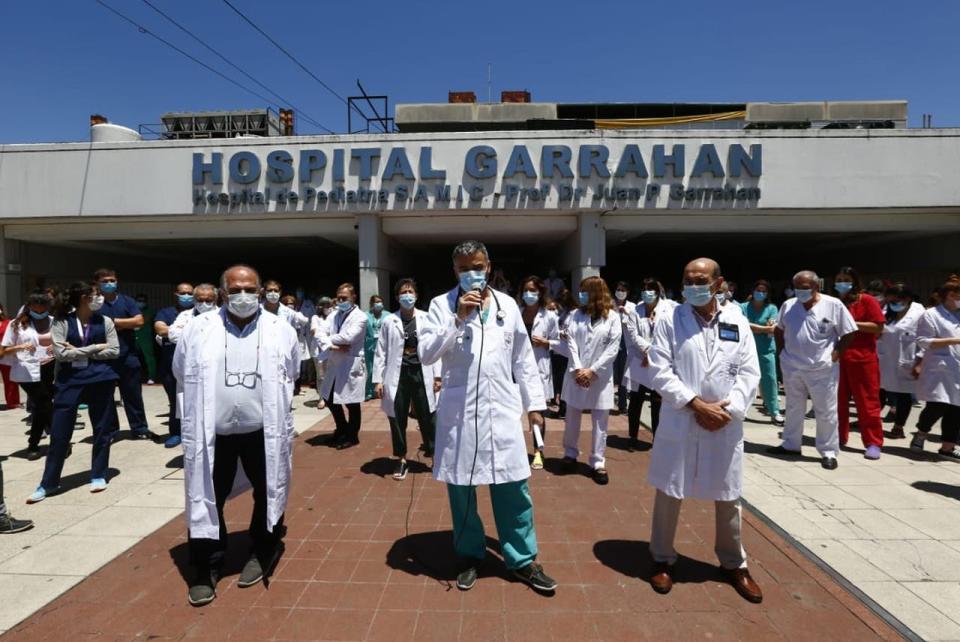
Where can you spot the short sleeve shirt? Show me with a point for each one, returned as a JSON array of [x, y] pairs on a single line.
[[864, 345], [810, 336], [123, 307]]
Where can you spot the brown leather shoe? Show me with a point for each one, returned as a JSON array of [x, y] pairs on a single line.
[[661, 580], [745, 585]]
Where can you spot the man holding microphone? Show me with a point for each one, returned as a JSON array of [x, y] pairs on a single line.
[[478, 336]]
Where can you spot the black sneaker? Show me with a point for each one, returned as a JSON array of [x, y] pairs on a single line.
[[953, 454], [33, 454], [348, 443], [467, 578], [601, 477], [780, 450], [533, 575], [830, 463], [251, 574], [203, 589], [141, 435], [10, 525], [401, 471]]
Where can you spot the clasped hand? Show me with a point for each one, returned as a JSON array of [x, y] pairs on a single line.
[[583, 377], [711, 416]]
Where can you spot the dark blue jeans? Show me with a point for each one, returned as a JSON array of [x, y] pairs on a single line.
[[103, 414]]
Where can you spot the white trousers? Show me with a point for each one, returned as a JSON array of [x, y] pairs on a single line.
[[821, 385], [571, 434], [727, 543]]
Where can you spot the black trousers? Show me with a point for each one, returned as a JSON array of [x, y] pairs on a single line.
[[347, 429], [936, 410], [411, 388], [903, 404], [636, 405], [131, 393], [247, 449], [169, 383], [41, 393]]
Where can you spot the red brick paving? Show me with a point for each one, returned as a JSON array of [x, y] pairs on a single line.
[[348, 573]]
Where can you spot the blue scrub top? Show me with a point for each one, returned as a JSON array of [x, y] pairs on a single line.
[[766, 344], [96, 371], [124, 307]]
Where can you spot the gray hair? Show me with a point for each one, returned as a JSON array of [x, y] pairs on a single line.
[[806, 274], [205, 286], [469, 248], [238, 266]]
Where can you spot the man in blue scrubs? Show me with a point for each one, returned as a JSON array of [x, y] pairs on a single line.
[[183, 296], [127, 317]]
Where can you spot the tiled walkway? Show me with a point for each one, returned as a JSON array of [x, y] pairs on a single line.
[[370, 558]]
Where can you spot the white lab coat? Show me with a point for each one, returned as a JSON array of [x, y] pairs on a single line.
[[196, 370], [489, 380], [594, 347], [547, 325], [687, 460], [346, 372], [940, 371], [639, 333], [300, 325], [629, 307], [388, 360], [897, 351], [174, 332]]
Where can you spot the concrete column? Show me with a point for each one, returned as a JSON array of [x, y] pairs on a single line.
[[585, 252], [372, 250], [11, 274]]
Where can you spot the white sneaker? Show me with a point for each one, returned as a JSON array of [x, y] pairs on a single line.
[[778, 419]]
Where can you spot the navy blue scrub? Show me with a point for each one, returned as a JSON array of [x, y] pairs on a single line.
[[165, 367], [127, 364], [92, 385]]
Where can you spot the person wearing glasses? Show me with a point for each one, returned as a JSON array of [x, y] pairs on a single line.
[[236, 368]]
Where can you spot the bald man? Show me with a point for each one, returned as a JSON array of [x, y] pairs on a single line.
[[813, 330], [703, 362], [236, 367]]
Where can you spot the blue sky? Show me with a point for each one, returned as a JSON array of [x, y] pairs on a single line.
[[65, 59]]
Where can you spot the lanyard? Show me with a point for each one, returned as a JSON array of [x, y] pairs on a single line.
[[342, 320], [84, 334]]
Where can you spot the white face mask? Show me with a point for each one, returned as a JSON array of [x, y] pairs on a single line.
[[272, 297], [203, 306], [96, 302], [243, 305]]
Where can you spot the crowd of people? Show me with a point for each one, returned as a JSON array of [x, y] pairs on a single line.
[[483, 362]]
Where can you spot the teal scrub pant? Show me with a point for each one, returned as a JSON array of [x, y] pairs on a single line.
[[513, 513], [768, 382]]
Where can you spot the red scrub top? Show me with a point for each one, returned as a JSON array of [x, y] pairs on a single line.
[[864, 346]]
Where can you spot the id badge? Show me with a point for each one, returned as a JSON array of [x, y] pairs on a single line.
[[729, 332], [79, 364]]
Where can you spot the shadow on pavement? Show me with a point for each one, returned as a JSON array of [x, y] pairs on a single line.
[[82, 478], [384, 467], [632, 558], [176, 462], [752, 448], [322, 439], [619, 442], [938, 488], [431, 554]]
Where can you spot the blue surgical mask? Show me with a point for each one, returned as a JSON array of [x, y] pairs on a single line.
[[378, 307], [39, 316], [803, 296], [649, 296], [345, 306], [721, 298], [185, 300], [531, 298], [759, 295], [697, 295], [142, 305], [299, 294], [843, 287], [895, 307], [108, 287], [407, 300], [583, 297], [473, 280]]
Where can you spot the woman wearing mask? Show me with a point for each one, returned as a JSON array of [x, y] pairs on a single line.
[[624, 308], [639, 330], [543, 328], [761, 313], [859, 366], [897, 351], [400, 378], [591, 341], [27, 344], [938, 337], [565, 306], [84, 342], [375, 317]]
